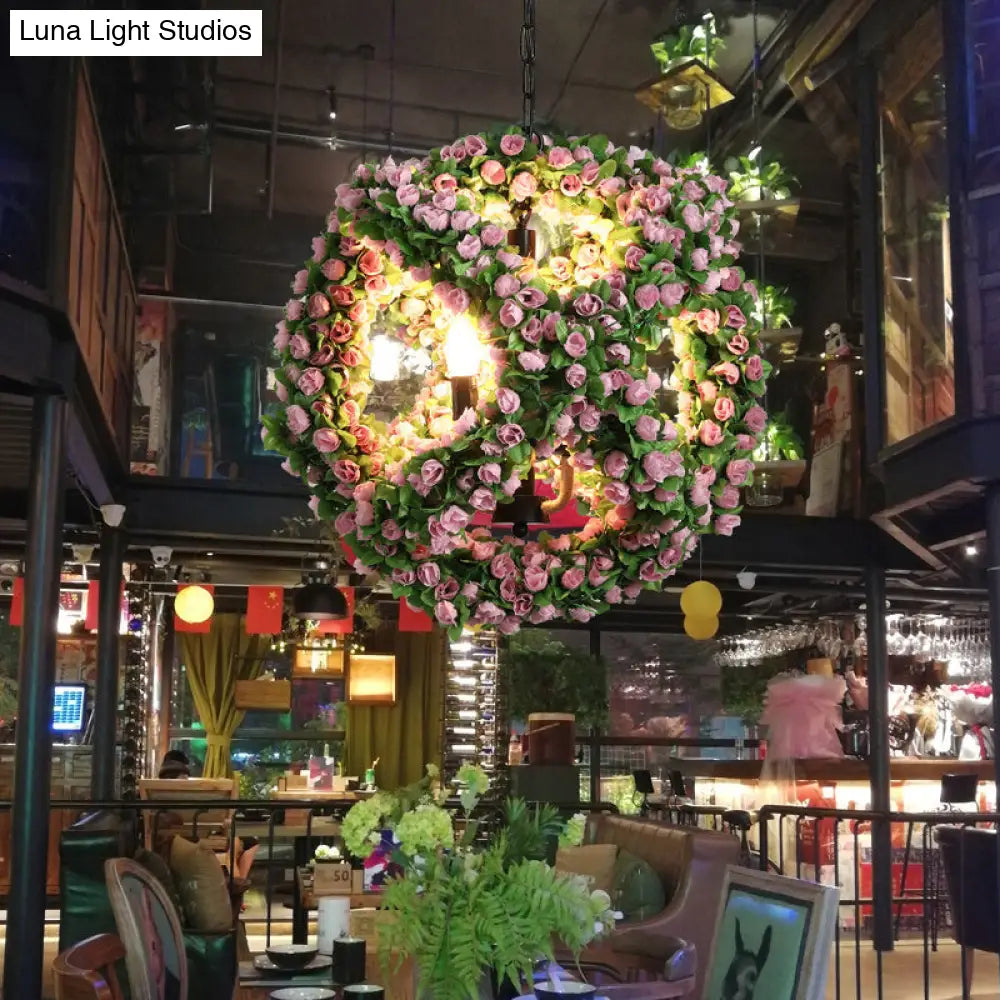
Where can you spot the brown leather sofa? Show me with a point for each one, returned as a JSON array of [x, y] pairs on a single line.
[[692, 864]]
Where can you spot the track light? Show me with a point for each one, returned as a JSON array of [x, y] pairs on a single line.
[[331, 96]]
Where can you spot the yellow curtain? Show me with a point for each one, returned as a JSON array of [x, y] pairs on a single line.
[[215, 661], [407, 735]]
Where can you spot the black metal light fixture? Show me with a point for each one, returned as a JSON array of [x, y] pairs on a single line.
[[319, 600]]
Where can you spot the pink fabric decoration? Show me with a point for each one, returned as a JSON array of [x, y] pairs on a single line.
[[803, 716]]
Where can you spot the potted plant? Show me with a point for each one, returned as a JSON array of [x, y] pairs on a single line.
[[773, 310], [761, 185], [779, 462], [690, 41], [476, 920], [553, 688]]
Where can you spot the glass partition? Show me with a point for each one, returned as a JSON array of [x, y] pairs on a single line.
[[919, 351]]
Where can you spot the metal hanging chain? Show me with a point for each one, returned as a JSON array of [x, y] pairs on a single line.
[[528, 69], [758, 143], [392, 74]]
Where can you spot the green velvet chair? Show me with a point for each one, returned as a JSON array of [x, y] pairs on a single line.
[[85, 908]]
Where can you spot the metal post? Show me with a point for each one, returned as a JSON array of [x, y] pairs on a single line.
[[993, 592], [870, 232], [36, 677], [878, 763], [102, 778]]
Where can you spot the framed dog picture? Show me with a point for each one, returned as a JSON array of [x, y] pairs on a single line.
[[773, 937]]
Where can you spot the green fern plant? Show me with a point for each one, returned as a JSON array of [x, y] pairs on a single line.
[[690, 41]]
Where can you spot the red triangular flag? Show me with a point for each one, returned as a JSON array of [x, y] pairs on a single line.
[[265, 608], [183, 626], [17, 602], [340, 626], [93, 603], [413, 621]]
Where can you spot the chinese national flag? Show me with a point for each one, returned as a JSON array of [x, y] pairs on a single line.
[[94, 603], [17, 602], [265, 606], [413, 621], [203, 627], [342, 626]]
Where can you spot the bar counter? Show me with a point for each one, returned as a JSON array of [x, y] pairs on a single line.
[[834, 769]]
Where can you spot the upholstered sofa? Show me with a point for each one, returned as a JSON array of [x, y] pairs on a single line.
[[85, 909], [691, 864]]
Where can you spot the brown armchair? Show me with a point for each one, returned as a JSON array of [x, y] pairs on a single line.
[[692, 864]]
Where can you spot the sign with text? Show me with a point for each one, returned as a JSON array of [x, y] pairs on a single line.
[[137, 32]]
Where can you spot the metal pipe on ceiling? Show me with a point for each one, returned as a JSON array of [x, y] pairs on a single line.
[[301, 136], [183, 300], [272, 149]]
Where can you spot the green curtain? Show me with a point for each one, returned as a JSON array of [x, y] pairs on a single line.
[[215, 661], [407, 735]]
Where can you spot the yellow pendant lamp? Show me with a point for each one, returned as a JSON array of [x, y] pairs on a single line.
[[194, 605], [701, 628], [701, 599]]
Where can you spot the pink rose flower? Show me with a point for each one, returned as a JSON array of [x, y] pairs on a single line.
[[510, 435], [502, 566], [729, 497], [508, 400], [370, 262], [511, 145], [311, 381], [492, 236], [482, 499], [531, 297], [616, 465], [571, 185], [535, 579], [727, 371], [463, 219], [590, 419], [377, 284], [735, 317], [482, 551], [301, 282], [725, 524], [590, 172], [647, 427], [297, 419], [617, 493], [709, 433], [659, 466], [738, 471], [671, 294], [490, 473], [707, 320], [576, 344], [739, 344], [469, 247], [445, 182], [756, 419], [293, 309], [647, 296], [506, 285], [454, 519], [699, 259], [407, 195], [474, 145], [576, 376], [429, 574], [510, 314], [560, 157], [729, 279], [281, 336], [493, 172], [446, 612], [523, 186], [573, 578], [618, 353], [343, 295], [431, 472], [531, 361], [587, 304], [319, 305], [347, 471], [754, 368], [299, 347], [707, 391], [725, 408], [637, 394], [693, 218]]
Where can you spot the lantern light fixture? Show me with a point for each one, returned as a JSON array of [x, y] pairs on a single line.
[[319, 600], [194, 605]]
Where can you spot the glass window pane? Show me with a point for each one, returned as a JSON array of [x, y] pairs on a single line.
[[919, 352]]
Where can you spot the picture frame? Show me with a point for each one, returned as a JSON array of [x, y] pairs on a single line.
[[773, 938]]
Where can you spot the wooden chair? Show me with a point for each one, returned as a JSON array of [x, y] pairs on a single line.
[[150, 931], [87, 970], [208, 826]]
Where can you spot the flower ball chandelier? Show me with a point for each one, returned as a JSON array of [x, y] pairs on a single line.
[[530, 280]]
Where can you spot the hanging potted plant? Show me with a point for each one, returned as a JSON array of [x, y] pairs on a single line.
[[762, 186], [773, 310], [779, 463], [553, 689]]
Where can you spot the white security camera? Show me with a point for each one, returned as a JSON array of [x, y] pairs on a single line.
[[112, 514], [162, 554]]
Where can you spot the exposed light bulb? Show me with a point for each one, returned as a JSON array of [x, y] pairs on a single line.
[[331, 95], [755, 151], [463, 351], [386, 355], [971, 550]]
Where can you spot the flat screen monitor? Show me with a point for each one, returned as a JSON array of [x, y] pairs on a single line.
[[69, 710]]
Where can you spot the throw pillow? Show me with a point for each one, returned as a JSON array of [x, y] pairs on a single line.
[[160, 870], [637, 890], [595, 861], [202, 887]]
